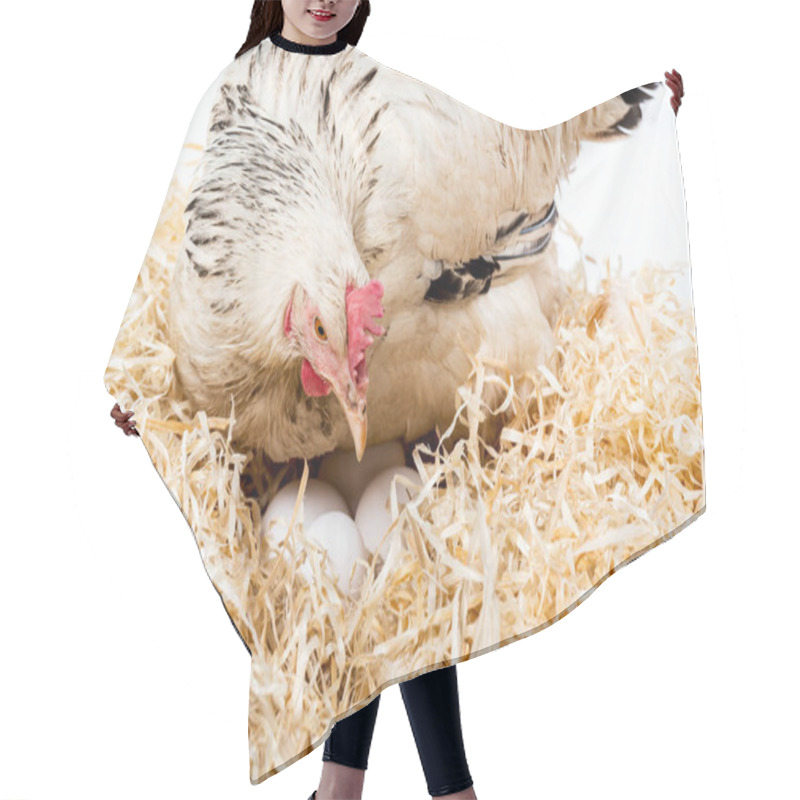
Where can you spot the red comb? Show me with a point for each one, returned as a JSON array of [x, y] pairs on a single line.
[[362, 304]]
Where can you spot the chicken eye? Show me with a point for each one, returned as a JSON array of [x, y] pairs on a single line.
[[319, 329]]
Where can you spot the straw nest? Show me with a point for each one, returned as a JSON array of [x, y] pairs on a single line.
[[526, 506]]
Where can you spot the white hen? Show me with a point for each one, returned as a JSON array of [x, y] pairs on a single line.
[[330, 185]]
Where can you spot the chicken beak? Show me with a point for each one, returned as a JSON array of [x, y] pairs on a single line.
[[354, 405], [358, 429]]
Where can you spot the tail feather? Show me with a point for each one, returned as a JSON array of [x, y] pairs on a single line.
[[620, 115]]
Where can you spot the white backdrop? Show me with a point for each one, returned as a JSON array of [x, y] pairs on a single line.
[[120, 673]]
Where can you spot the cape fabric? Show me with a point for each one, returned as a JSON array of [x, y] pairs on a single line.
[[418, 380]]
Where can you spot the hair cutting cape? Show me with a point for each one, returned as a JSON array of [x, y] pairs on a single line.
[[418, 380]]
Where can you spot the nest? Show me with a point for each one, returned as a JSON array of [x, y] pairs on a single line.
[[527, 504]]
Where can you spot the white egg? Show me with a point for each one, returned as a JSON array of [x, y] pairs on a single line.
[[319, 498], [342, 470], [374, 515], [337, 533]]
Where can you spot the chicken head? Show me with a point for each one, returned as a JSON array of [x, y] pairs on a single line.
[[330, 365]]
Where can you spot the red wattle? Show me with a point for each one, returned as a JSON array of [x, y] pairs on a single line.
[[314, 385]]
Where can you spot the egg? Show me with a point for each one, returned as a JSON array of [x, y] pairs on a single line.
[[336, 532], [373, 516], [342, 470], [319, 498]]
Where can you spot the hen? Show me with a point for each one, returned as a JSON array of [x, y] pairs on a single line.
[[335, 190]]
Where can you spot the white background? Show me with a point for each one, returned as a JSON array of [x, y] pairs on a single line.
[[120, 674]]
